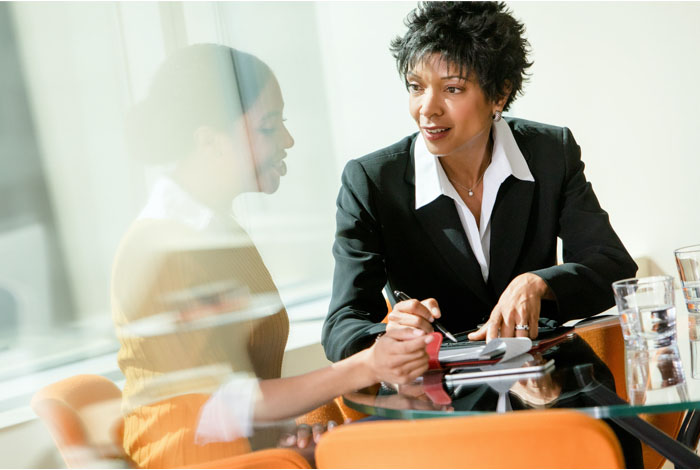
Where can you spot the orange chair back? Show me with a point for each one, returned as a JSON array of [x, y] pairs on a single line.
[[606, 340], [527, 439], [83, 416], [267, 458]]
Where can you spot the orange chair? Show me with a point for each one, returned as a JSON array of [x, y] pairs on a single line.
[[84, 418], [605, 338], [335, 410], [526, 439], [83, 415]]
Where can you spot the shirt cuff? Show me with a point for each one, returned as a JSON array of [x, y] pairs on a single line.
[[228, 414]]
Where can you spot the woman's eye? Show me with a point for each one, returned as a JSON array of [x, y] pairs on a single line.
[[454, 89], [413, 87], [271, 127]]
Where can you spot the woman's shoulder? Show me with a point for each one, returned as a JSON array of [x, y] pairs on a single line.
[[526, 129], [543, 141], [392, 159]]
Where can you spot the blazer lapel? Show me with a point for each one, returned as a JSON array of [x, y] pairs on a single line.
[[441, 222], [509, 221]]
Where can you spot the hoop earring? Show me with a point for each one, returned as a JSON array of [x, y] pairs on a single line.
[[497, 116]]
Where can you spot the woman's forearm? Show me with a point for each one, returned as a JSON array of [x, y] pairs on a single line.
[[292, 396]]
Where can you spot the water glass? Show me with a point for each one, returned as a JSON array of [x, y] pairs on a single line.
[[694, 337], [688, 263], [647, 311]]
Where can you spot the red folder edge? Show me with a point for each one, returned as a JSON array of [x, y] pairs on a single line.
[[433, 389], [433, 350]]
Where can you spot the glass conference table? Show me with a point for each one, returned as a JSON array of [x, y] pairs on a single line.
[[571, 375]]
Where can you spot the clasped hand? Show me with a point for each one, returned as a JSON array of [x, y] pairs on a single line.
[[516, 314], [399, 356]]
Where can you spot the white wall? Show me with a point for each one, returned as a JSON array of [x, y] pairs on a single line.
[[622, 76], [367, 97]]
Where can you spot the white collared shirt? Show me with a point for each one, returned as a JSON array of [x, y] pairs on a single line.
[[432, 182], [169, 201]]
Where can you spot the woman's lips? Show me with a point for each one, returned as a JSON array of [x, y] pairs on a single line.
[[435, 133]]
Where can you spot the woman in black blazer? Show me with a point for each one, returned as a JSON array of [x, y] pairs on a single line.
[[466, 213]]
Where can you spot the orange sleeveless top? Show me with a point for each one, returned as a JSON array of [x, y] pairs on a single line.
[[181, 336]]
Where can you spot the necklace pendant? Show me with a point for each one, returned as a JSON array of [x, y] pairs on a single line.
[[470, 193]]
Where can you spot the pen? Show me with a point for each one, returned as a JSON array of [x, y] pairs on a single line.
[[403, 296]]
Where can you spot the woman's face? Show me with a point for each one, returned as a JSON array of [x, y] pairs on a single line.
[[255, 150], [269, 138], [452, 112]]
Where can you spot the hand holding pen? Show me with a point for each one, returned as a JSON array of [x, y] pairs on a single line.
[[422, 315]]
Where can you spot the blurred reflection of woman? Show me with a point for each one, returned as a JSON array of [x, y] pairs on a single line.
[[201, 325]]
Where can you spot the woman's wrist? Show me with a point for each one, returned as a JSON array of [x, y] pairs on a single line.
[[540, 286], [361, 369]]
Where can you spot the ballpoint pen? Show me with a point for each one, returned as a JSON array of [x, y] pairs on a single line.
[[403, 296]]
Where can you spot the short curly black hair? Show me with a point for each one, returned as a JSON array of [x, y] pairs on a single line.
[[477, 37]]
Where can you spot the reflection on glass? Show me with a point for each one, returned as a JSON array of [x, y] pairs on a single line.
[[636, 374], [688, 263], [197, 314], [655, 372], [541, 391]]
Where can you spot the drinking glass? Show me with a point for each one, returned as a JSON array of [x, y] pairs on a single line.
[[688, 263], [647, 311], [648, 321]]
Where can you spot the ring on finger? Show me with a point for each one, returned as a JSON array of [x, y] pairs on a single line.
[[522, 327]]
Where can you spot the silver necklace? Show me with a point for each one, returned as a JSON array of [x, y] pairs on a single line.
[[470, 191]]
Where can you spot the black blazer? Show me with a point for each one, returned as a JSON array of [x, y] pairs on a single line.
[[383, 241]]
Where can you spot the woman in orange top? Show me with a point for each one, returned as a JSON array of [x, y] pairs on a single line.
[[201, 325]]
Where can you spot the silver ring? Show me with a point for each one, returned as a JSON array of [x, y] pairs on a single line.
[[522, 327]]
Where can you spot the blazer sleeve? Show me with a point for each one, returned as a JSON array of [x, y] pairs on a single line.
[[594, 256], [357, 305]]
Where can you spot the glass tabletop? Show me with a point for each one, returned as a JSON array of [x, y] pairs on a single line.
[[586, 372]]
